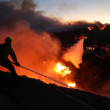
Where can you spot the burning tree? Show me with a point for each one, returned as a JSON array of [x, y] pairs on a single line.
[[90, 28], [101, 27]]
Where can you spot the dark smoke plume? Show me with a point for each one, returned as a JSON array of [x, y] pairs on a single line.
[[14, 10]]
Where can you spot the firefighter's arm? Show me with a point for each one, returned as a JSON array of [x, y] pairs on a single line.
[[13, 56]]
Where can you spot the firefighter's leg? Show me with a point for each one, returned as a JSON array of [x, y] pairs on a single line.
[[6, 63]]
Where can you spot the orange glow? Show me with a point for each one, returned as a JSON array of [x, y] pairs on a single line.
[[63, 70], [72, 84], [101, 27], [59, 71], [90, 28], [37, 52]]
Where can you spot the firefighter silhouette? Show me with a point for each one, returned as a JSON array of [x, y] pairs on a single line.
[[5, 50]]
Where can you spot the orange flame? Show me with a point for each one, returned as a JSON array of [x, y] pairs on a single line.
[[72, 84], [63, 70], [101, 27], [60, 70], [90, 28]]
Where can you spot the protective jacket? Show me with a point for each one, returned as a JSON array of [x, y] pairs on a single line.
[[5, 50]]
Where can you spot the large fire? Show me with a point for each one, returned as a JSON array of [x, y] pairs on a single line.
[[72, 84], [63, 70]]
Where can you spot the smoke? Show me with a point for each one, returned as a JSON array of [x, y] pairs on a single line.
[[12, 11], [69, 6], [28, 5], [74, 54]]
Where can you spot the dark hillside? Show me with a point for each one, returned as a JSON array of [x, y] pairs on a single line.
[[102, 36], [68, 37], [32, 94], [93, 73], [96, 101]]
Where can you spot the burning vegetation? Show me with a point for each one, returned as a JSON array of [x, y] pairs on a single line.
[[63, 70], [90, 28], [101, 27]]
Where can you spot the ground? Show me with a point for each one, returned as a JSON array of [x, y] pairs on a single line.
[[31, 94]]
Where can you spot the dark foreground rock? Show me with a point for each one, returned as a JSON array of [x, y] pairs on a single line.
[[96, 101], [31, 94]]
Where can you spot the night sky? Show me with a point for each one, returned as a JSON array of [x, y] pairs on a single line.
[[73, 10], [54, 16]]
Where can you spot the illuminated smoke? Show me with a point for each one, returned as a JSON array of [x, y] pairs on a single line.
[[38, 52], [74, 54], [31, 48]]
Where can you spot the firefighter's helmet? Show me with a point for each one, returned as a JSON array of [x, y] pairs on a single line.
[[8, 39]]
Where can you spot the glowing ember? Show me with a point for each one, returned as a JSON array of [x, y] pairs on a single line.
[[101, 27], [72, 84], [63, 70], [90, 28]]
